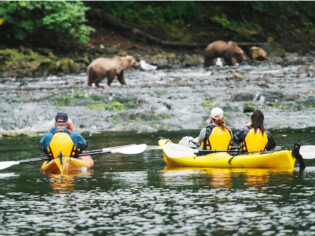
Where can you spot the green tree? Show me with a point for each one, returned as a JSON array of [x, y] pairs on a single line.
[[24, 19]]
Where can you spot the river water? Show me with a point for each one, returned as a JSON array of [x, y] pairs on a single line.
[[137, 194]]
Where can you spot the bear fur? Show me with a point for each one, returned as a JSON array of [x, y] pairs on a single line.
[[109, 68], [226, 50], [257, 53]]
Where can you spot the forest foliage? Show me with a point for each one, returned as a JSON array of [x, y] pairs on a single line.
[[53, 22]]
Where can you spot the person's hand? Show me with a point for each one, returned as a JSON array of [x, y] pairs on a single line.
[[70, 125], [208, 121]]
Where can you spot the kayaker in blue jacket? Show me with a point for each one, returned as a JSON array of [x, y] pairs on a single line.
[[61, 119], [216, 136], [254, 137]]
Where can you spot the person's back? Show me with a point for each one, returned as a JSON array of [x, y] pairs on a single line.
[[62, 140], [216, 136], [254, 137]]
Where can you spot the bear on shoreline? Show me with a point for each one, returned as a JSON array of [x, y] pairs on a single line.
[[226, 50], [109, 68]]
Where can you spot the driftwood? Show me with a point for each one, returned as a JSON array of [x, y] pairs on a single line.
[[117, 24]]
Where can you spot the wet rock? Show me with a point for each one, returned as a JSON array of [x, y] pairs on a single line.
[[236, 77], [272, 96], [244, 97], [248, 107], [291, 58], [308, 70], [310, 101], [275, 60], [257, 53]]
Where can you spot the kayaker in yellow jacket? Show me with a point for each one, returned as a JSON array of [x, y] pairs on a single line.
[[216, 136], [71, 143], [254, 137]]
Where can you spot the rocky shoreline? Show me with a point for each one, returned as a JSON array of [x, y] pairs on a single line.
[[23, 61], [37, 83]]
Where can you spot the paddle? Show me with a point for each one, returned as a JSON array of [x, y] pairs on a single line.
[[127, 149], [307, 151]]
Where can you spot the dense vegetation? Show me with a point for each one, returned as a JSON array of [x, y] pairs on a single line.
[[53, 23]]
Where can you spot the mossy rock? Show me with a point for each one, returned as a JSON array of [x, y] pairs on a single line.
[[67, 66], [19, 134], [165, 55], [248, 107]]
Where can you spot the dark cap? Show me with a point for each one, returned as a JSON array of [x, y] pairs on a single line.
[[61, 117]]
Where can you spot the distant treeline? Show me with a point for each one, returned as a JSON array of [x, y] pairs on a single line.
[[53, 22]]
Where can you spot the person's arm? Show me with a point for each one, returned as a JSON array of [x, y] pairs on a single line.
[[202, 135], [70, 125], [271, 142], [80, 143]]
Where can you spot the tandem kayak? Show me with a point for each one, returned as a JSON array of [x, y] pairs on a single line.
[[67, 165], [182, 156]]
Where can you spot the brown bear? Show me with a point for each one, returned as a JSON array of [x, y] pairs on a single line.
[[225, 50], [101, 68], [257, 53]]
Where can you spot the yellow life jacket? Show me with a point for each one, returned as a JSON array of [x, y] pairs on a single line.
[[219, 139], [61, 142], [255, 141]]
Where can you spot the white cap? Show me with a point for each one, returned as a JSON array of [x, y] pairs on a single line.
[[216, 112]]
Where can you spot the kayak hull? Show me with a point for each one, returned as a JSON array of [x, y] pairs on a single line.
[[67, 165], [277, 160]]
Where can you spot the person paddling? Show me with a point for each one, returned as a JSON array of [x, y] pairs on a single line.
[[216, 136], [62, 140], [254, 137]]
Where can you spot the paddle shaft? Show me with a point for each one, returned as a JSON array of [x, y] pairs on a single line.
[[126, 149]]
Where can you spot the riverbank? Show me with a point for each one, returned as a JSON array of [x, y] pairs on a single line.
[[22, 61]]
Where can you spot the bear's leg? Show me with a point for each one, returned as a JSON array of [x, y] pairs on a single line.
[[208, 61], [121, 78], [228, 60], [110, 80], [91, 77], [97, 84]]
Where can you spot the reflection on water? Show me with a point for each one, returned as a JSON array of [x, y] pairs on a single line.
[[7, 175], [223, 177], [66, 183]]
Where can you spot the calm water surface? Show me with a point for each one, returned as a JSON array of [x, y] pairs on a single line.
[[138, 195]]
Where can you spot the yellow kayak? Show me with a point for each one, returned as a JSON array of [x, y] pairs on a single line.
[[181, 156], [67, 165]]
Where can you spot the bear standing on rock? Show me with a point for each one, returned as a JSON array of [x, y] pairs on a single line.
[[101, 68], [225, 50]]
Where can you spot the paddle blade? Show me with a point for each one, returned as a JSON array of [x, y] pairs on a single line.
[[307, 151], [7, 164], [178, 151], [135, 149]]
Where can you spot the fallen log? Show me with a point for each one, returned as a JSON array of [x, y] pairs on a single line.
[[126, 29]]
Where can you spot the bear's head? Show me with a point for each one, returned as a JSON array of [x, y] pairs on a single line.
[[132, 62], [239, 55]]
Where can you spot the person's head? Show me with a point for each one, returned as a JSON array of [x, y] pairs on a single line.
[[61, 120], [217, 117], [257, 120]]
